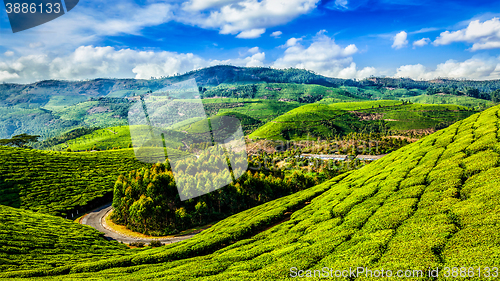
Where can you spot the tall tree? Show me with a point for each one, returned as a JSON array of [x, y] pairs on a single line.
[[19, 140]]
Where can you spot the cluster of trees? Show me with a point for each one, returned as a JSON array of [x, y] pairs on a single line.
[[19, 140], [406, 83], [213, 108], [495, 95], [243, 91], [359, 144], [148, 200], [306, 169], [466, 91], [119, 106]]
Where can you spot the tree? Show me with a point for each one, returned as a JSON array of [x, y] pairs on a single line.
[[19, 140], [495, 96], [140, 211], [472, 92]]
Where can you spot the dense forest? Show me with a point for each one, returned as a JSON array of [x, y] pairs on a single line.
[[148, 201]]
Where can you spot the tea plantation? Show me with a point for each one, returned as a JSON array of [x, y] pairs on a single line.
[[30, 241], [433, 203], [451, 99], [329, 120], [57, 182]]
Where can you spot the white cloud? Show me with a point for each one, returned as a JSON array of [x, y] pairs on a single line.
[[252, 61], [483, 35], [253, 33], [323, 56], [292, 42], [36, 45], [88, 62], [253, 50], [199, 5], [351, 72], [88, 24], [422, 42], [93, 21], [7, 76], [9, 54], [477, 68], [243, 16], [346, 4], [424, 30], [400, 40], [276, 34]]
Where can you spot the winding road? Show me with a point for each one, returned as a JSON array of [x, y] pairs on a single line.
[[96, 220]]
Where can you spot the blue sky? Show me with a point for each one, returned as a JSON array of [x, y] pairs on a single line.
[[338, 38]]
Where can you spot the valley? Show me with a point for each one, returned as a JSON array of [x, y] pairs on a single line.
[[379, 173]]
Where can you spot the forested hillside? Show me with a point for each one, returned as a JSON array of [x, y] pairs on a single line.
[[51, 108]]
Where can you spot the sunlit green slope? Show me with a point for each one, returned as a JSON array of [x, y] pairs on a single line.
[[433, 203], [31, 241], [328, 120], [451, 99], [57, 182]]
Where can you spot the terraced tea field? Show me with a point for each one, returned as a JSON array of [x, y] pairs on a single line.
[[432, 203], [30, 241], [328, 120], [57, 182]]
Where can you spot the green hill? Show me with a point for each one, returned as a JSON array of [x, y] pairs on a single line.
[[262, 110], [58, 182], [327, 120], [451, 99], [108, 138], [248, 123], [112, 137], [303, 93], [51, 107], [433, 203], [31, 241]]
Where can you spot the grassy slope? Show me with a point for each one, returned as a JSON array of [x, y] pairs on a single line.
[[251, 113], [248, 123], [30, 241], [422, 116], [431, 203], [234, 228], [450, 99], [288, 91], [102, 139], [107, 138], [263, 110], [54, 182], [311, 118]]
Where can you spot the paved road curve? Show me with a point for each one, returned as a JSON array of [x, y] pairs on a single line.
[[95, 219]]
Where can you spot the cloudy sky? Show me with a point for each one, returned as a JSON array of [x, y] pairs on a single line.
[[338, 38]]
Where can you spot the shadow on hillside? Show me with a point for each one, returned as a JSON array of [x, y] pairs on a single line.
[[9, 193]]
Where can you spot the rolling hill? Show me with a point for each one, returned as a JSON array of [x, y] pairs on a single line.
[[327, 120], [451, 99], [59, 183], [49, 108], [303, 93], [31, 241], [433, 203]]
